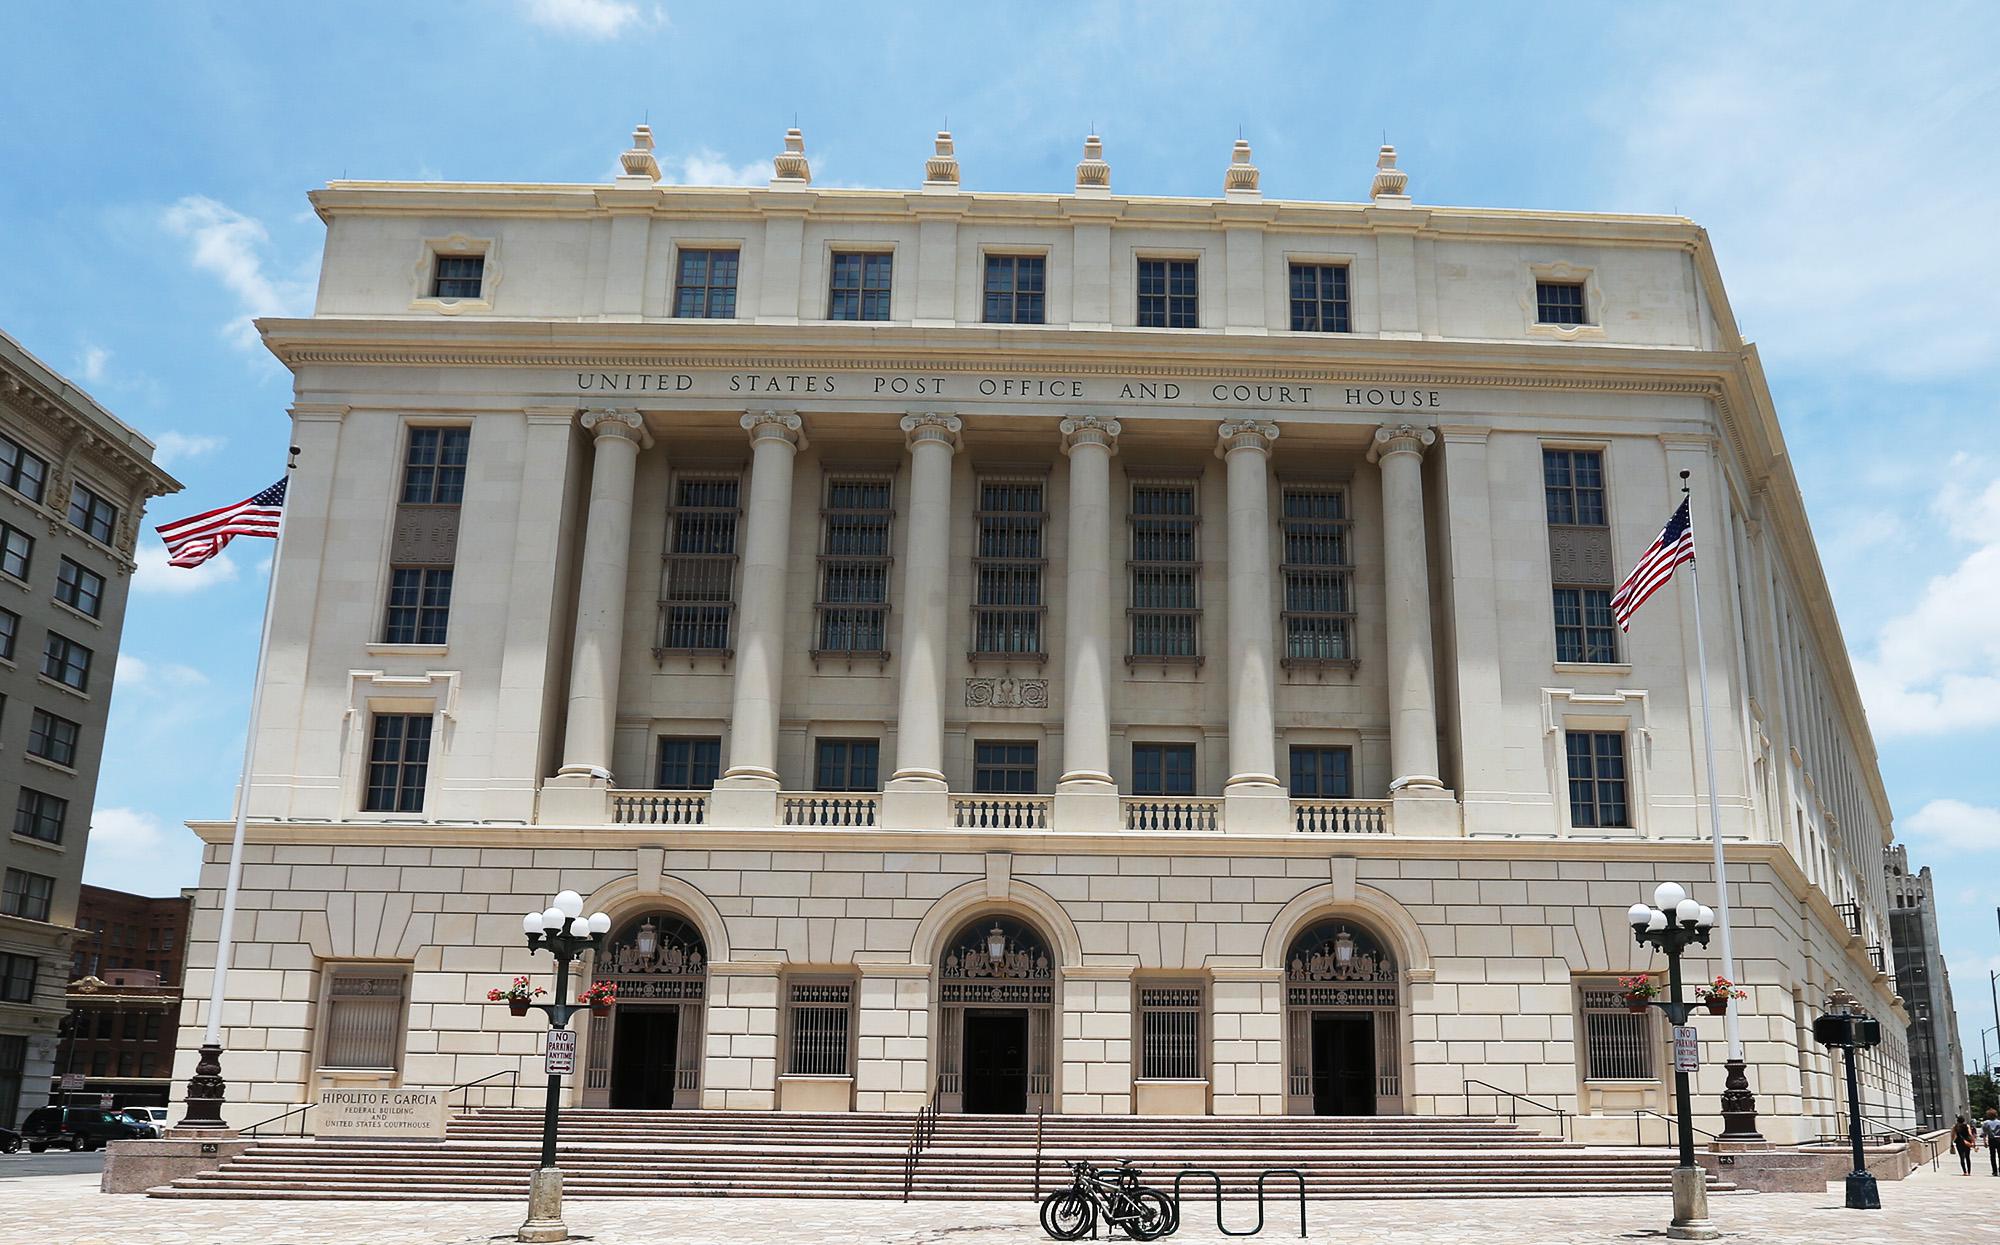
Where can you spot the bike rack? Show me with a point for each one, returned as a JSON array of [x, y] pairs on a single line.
[[1216, 1178]]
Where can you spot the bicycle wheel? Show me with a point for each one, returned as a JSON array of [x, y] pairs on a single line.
[[1167, 1206], [1148, 1215], [1067, 1214]]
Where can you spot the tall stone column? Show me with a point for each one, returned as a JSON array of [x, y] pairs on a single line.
[[915, 795], [1413, 738], [1086, 798], [1253, 802], [746, 794]]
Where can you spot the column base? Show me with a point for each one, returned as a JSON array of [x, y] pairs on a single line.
[[1691, 1207], [1427, 812], [1085, 803], [916, 800], [744, 799], [545, 1221], [577, 797], [1256, 804]]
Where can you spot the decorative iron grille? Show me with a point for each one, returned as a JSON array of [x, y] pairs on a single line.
[[1618, 1043], [1170, 1032], [822, 1015], [697, 592]]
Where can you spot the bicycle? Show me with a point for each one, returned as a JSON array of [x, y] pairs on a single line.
[[1144, 1214]]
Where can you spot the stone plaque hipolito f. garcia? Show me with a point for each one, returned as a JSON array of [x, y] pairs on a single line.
[[416, 1114]]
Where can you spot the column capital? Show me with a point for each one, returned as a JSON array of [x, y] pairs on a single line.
[[1400, 439], [1245, 434], [624, 423], [938, 426], [775, 426], [1090, 430]]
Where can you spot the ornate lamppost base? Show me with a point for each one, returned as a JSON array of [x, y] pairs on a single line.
[[1862, 1192], [1739, 1105], [1691, 1207], [205, 1093], [545, 1221]]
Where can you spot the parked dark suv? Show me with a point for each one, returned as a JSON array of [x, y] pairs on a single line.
[[76, 1128]]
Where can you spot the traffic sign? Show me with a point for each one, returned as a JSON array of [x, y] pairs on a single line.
[[1687, 1049], [72, 1081], [560, 1057]]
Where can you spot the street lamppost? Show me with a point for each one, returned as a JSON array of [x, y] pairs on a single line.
[[1846, 1026], [565, 933], [1672, 924]]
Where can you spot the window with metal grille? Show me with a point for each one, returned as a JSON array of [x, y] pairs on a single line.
[[39, 815], [1573, 484], [80, 588], [1319, 298], [821, 1019], [92, 514], [1170, 1032], [22, 470], [1165, 608], [853, 602], [1007, 568], [457, 276], [697, 594], [419, 605], [364, 1020], [1559, 302], [17, 978], [1169, 294], [1003, 768], [705, 285], [27, 895], [1162, 769], [846, 765], [10, 628], [399, 757], [1597, 795], [66, 661], [17, 551], [688, 763], [1318, 611], [53, 738], [1585, 629], [859, 288], [1015, 289], [434, 466], [1618, 1043], [1322, 773]]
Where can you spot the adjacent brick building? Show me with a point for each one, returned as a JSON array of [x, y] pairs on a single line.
[[124, 995]]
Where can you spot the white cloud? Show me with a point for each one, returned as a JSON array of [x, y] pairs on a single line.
[[233, 247], [1952, 826], [156, 575], [179, 447], [135, 671], [711, 168], [91, 363], [590, 19], [123, 830]]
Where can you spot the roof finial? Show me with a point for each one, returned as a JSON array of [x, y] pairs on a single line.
[[638, 163], [790, 167], [941, 170], [1240, 181], [1093, 174], [1388, 188]]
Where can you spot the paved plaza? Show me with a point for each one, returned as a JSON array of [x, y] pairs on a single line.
[[1926, 1209]]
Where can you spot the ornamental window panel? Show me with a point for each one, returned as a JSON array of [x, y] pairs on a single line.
[[1005, 768], [1169, 294], [458, 276], [80, 588], [859, 286], [688, 763], [399, 756], [22, 470], [434, 466], [1585, 628], [853, 606], [39, 815], [1597, 780], [66, 661], [1618, 1044], [1007, 568], [1162, 769], [1318, 614], [1559, 302], [1016, 289], [364, 1018], [53, 738], [1322, 773], [17, 551], [705, 285], [1170, 1031], [819, 1026], [1319, 298], [846, 765], [419, 608], [92, 514], [1164, 572], [27, 895], [698, 582]]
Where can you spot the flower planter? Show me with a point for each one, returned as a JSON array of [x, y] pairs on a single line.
[[517, 1007], [600, 1010], [1638, 1003], [1717, 1007]]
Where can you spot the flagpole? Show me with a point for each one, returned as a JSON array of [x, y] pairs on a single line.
[[1739, 1105], [206, 1089]]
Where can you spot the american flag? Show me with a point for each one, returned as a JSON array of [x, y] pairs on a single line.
[[193, 541], [1656, 566]]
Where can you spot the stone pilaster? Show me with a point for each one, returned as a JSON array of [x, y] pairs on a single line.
[[1086, 797], [915, 795], [1253, 800], [1413, 735]]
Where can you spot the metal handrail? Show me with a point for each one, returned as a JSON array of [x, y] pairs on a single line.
[[1513, 1111], [513, 1073], [1932, 1144], [922, 1130], [1639, 1137], [1040, 1111]]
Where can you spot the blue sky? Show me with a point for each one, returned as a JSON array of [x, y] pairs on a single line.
[[157, 157]]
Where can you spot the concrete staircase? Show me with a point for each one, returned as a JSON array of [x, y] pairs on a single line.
[[490, 1153]]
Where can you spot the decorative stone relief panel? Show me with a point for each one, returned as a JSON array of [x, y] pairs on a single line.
[[1007, 693]]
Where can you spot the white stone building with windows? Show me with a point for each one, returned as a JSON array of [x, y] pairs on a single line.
[[1086, 651]]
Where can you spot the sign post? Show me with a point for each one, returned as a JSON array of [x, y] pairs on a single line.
[[1687, 1049], [559, 1059]]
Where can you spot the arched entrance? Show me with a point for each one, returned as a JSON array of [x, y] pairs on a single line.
[[1342, 998], [648, 1054], [996, 1018]]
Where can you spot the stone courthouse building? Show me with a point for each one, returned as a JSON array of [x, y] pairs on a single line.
[[1080, 651]]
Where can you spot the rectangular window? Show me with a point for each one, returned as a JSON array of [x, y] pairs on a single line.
[[1585, 629], [22, 470], [698, 583], [39, 815], [399, 757], [1319, 298], [419, 605], [1618, 1043], [1016, 289], [27, 895], [1005, 768], [705, 285], [91, 514], [17, 978], [149, 1063], [1322, 773], [66, 661], [846, 765], [1319, 602], [1573, 483], [1597, 779], [854, 567], [434, 466], [17, 551], [1170, 1032], [13, 1061], [859, 288], [1162, 769], [688, 764], [364, 1019], [10, 628], [1169, 294], [821, 1019], [52, 738], [1579, 555], [1007, 568], [457, 276], [80, 588], [1559, 302], [1165, 606]]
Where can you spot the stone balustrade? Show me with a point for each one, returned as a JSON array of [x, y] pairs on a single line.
[[1343, 816]]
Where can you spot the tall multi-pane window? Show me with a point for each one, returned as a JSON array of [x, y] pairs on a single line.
[[1319, 298], [399, 757], [10, 630], [1585, 628], [27, 895], [39, 815], [859, 287], [363, 1018], [17, 551], [1169, 294], [1162, 769], [854, 567], [1597, 779], [66, 661], [688, 763], [1321, 772], [1318, 610], [1016, 289], [705, 285], [17, 978], [1559, 302], [1618, 1044], [821, 1018], [80, 588], [1007, 568], [697, 597], [1579, 555], [419, 605], [434, 466], [1573, 487], [53, 738], [846, 765], [458, 276], [1165, 574], [1170, 1032], [1004, 767], [92, 514], [22, 470]]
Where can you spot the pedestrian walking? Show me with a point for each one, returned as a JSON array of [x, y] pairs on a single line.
[[1991, 1127], [1961, 1141]]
